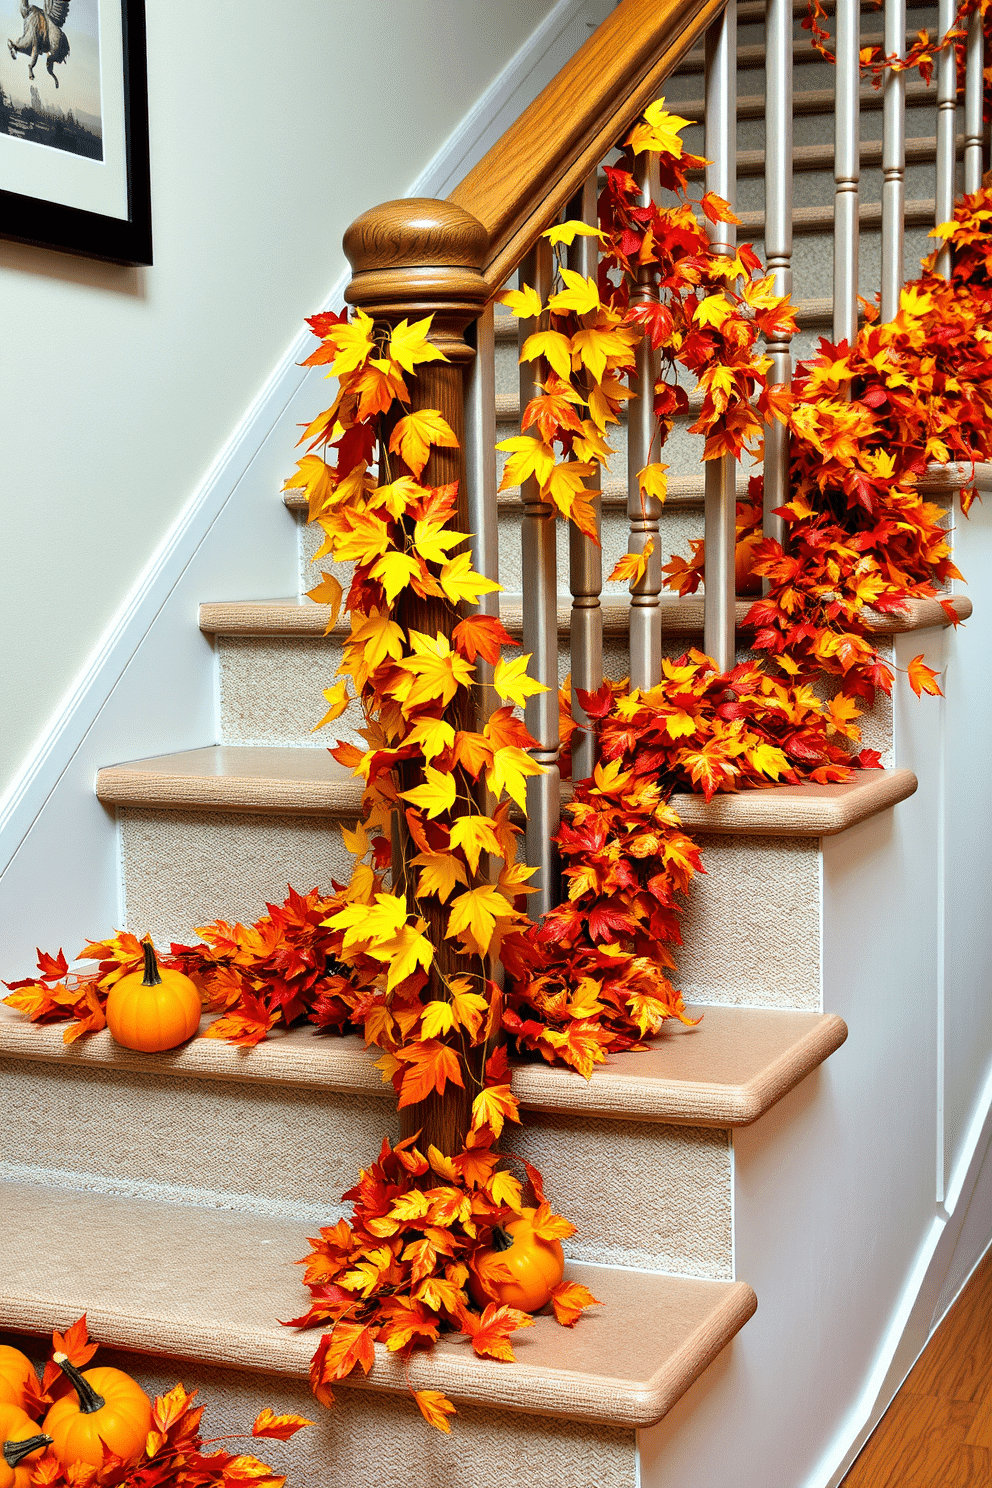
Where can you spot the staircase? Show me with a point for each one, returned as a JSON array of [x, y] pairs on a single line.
[[167, 1196]]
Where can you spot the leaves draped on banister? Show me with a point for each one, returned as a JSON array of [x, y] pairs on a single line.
[[592, 977]]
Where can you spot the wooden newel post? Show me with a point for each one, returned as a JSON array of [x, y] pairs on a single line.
[[413, 258]]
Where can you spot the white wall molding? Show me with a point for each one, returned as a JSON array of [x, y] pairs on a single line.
[[147, 687]]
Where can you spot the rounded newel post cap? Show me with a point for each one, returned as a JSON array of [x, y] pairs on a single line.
[[417, 256]]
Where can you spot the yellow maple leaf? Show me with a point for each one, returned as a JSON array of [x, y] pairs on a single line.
[[328, 592], [437, 1018], [436, 672], [314, 476], [632, 566], [505, 1189], [469, 1008], [440, 874], [432, 734], [528, 457], [567, 232], [357, 536], [435, 796], [473, 915], [379, 636], [394, 572], [416, 432], [582, 295], [475, 835], [653, 481], [397, 496], [509, 771], [356, 842], [432, 539], [435, 1408], [713, 311], [361, 922], [492, 1106], [408, 344], [553, 346], [460, 581], [524, 303], [566, 483], [353, 343], [337, 697], [404, 951], [511, 681], [658, 130], [595, 347]]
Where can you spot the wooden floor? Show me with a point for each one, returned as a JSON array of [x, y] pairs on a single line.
[[937, 1433]]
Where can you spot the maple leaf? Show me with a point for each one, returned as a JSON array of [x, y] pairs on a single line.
[[553, 346], [528, 457], [490, 1332], [434, 735], [548, 1226], [405, 951], [474, 914], [395, 572], [435, 1408], [475, 835], [582, 295], [437, 1018], [481, 635], [569, 1299], [328, 592], [511, 681], [567, 232], [431, 1065], [408, 344], [509, 771], [352, 341], [653, 481], [923, 678], [432, 539], [436, 795], [506, 1190], [524, 303], [337, 697], [566, 482], [460, 582], [416, 432], [632, 566], [713, 310], [440, 874], [267, 1423], [493, 1105], [658, 130]]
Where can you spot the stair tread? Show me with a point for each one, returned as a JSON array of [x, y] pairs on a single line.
[[305, 619], [209, 1285], [277, 779], [727, 1072], [753, 55], [821, 219], [812, 101]]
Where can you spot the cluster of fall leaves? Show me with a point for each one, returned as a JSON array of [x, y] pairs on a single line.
[[174, 1455], [405, 952]]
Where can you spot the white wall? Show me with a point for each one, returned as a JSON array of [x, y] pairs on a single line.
[[273, 123]]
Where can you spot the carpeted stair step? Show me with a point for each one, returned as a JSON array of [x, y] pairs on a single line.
[[195, 1284]]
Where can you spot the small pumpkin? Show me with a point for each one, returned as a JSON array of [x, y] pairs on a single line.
[[108, 1409], [536, 1266], [153, 1009], [16, 1373], [22, 1443]]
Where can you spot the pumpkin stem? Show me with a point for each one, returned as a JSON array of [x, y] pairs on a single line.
[[151, 977], [501, 1240], [89, 1400], [15, 1451]]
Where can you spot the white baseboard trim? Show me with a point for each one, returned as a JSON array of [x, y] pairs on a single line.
[[926, 1298], [151, 664]]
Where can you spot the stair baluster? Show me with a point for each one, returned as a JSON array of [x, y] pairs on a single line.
[[778, 239], [644, 511], [893, 161], [947, 89], [974, 133], [721, 475], [480, 480], [540, 616], [847, 170], [585, 558]]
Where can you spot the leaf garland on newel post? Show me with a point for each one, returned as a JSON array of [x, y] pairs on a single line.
[[412, 259]]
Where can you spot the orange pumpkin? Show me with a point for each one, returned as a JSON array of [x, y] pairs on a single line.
[[22, 1444], [109, 1409], [153, 1009], [536, 1266], [16, 1373]]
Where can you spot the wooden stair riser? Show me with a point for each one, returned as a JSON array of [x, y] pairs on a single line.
[[259, 1148], [751, 930], [368, 1438]]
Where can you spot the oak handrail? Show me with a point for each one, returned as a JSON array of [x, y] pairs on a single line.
[[538, 164]]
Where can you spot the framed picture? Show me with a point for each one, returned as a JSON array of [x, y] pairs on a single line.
[[74, 127]]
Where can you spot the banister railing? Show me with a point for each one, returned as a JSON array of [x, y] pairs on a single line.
[[450, 259]]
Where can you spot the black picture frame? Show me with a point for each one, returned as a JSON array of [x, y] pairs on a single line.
[[48, 224]]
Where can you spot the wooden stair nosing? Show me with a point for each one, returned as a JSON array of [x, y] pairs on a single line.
[[627, 1364], [284, 781], [727, 1073], [302, 619]]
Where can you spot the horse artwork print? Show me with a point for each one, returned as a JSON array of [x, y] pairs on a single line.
[[29, 109]]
